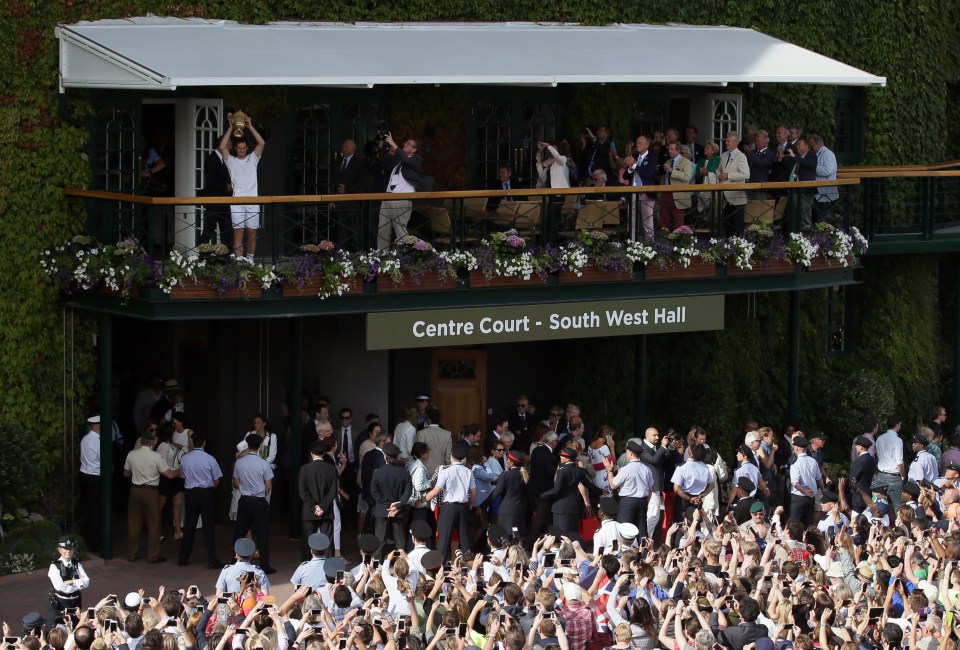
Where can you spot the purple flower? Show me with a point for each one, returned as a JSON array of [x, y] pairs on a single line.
[[421, 245], [515, 241]]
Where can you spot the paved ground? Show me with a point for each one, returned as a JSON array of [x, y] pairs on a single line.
[[23, 593]]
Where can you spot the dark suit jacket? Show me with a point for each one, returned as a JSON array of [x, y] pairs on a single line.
[[807, 170], [216, 177], [351, 177], [497, 184], [860, 478], [741, 510], [390, 483], [521, 427], [647, 170], [696, 149], [543, 464], [566, 495], [657, 460], [740, 635], [760, 164], [511, 486], [410, 169], [372, 461], [318, 486]]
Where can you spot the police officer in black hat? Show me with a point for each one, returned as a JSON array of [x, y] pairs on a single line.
[[311, 572], [68, 578]]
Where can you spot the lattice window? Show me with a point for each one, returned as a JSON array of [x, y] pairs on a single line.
[[726, 118], [493, 141], [311, 149], [115, 167], [361, 122], [206, 138], [457, 369], [539, 123], [844, 136], [648, 116]]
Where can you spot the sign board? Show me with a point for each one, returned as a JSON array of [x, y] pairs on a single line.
[[541, 322]]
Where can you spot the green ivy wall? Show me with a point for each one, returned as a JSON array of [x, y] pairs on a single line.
[[740, 370]]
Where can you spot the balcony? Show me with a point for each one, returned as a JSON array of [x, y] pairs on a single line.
[[897, 210]]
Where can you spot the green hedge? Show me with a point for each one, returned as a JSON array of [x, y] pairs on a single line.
[[44, 151]]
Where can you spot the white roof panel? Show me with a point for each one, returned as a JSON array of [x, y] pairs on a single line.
[[166, 53]]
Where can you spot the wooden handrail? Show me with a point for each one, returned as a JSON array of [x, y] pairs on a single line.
[[458, 194], [901, 174], [855, 169]]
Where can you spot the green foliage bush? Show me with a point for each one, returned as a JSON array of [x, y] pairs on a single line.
[[737, 371]]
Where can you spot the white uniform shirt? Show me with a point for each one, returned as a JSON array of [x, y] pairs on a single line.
[[693, 477], [924, 467], [634, 480], [90, 454], [455, 482], [751, 471]]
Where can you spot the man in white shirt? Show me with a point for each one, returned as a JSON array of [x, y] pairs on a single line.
[[826, 171], [90, 482], [243, 172], [924, 466], [890, 470]]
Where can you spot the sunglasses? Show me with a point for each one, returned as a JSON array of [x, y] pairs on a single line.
[[501, 449], [346, 417]]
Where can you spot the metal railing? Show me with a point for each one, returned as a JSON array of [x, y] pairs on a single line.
[[460, 219]]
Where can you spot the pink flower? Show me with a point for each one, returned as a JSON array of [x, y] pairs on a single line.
[[421, 245], [326, 245], [683, 230], [515, 241]]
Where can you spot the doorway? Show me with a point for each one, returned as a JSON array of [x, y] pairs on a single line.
[[458, 386]]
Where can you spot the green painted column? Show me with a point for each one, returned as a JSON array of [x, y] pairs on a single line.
[[640, 385], [105, 373], [296, 388], [956, 351], [793, 369]]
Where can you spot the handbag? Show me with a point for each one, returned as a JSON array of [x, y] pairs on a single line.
[[589, 525]]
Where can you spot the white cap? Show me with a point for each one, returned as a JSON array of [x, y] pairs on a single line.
[[572, 591], [626, 530], [132, 600], [93, 419], [835, 570], [930, 590]]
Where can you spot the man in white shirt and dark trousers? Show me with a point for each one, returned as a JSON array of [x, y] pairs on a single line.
[[459, 489], [805, 479], [924, 466], [90, 482], [402, 164], [890, 469]]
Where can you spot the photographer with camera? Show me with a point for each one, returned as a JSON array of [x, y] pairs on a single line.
[[403, 166]]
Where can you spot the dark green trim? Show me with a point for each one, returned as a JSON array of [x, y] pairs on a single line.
[[912, 245], [104, 371], [272, 306]]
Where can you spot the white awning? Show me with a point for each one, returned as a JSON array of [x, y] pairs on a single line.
[[167, 53]]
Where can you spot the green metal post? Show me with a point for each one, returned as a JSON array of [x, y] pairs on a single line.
[[956, 350], [105, 368], [793, 372], [296, 388], [640, 385]]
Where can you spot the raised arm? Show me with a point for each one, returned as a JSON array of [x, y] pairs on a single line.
[[256, 134]]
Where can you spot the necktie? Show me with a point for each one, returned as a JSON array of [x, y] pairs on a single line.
[[346, 442], [343, 165], [506, 185], [730, 158]]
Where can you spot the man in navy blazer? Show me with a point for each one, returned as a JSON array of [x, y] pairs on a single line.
[[761, 162], [806, 170], [641, 170]]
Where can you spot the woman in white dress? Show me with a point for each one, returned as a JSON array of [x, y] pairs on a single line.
[[602, 448], [405, 433]]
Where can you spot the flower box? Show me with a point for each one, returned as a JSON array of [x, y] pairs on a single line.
[[477, 280], [424, 282], [312, 288], [133, 293], [594, 275], [697, 269], [826, 264], [770, 267], [193, 290]]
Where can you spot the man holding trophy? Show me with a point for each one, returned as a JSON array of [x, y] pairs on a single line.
[[243, 172]]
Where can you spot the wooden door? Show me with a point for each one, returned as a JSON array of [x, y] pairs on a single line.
[[458, 387]]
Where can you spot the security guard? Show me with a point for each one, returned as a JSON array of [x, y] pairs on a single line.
[[68, 578], [330, 568], [633, 483], [254, 478], [459, 489], [369, 544], [311, 572], [421, 532], [229, 580]]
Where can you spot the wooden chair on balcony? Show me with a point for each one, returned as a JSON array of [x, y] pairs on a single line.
[[597, 215], [759, 210], [441, 227], [522, 216]]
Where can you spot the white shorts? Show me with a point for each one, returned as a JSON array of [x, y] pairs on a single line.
[[245, 216]]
